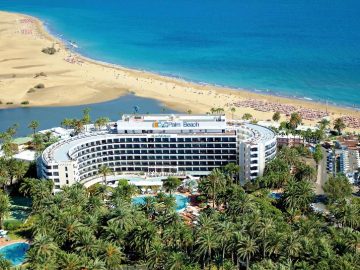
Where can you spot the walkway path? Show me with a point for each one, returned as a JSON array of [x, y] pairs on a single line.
[[322, 175]]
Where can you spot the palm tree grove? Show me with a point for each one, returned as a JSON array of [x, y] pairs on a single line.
[[239, 226]]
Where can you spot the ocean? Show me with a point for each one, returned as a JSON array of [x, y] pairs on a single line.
[[308, 49]]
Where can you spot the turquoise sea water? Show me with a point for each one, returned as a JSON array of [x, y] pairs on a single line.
[[309, 48]]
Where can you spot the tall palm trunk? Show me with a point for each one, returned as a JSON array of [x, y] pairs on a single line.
[[214, 195], [223, 257], [264, 248], [247, 262], [209, 259]]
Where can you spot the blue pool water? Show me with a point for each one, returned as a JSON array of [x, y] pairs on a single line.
[[15, 253], [308, 49], [181, 201], [275, 195]]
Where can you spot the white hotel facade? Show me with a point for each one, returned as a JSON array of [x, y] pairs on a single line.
[[153, 145]]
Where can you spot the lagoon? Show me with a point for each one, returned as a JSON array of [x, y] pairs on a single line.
[[50, 117]]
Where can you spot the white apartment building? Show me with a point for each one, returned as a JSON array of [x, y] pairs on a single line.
[[160, 145]]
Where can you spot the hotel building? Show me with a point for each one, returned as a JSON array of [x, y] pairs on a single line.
[[153, 145]]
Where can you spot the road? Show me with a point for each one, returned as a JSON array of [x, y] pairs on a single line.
[[322, 175]]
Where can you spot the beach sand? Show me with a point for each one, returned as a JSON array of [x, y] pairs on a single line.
[[72, 79]]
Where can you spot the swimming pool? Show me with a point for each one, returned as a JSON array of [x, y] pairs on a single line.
[[15, 253], [181, 201], [275, 195]]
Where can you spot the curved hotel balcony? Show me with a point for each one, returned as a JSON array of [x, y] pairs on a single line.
[[159, 145]]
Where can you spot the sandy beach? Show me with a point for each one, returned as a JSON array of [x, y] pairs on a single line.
[[71, 79]]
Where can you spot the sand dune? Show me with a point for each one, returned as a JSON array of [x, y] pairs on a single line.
[[71, 79]]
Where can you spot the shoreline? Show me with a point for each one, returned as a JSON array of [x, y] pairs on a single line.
[[94, 81], [267, 92]]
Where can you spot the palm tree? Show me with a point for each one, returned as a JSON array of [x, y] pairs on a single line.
[[34, 125], [156, 256], [266, 226], [105, 171], [69, 261], [142, 237], [85, 242], [189, 111], [176, 261], [246, 249], [78, 126], [206, 243], [5, 206], [318, 155], [171, 184], [4, 173], [247, 116], [324, 123], [233, 109], [339, 125], [298, 195], [101, 122], [276, 116], [5, 264], [231, 169], [295, 120], [86, 119], [225, 232], [42, 247], [67, 123], [111, 255], [17, 169]]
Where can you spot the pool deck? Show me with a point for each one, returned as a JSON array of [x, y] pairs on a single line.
[[4, 242]]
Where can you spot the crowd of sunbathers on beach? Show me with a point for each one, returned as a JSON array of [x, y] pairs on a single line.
[[264, 106]]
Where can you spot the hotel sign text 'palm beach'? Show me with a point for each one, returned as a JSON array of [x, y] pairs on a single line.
[[177, 124]]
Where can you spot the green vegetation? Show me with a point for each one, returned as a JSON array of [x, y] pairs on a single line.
[[339, 125], [39, 86], [104, 171], [247, 116], [318, 155], [337, 188], [99, 228], [25, 102], [34, 125], [233, 110], [238, 227], [40, 74], [101, 122], [49, 50], [4, 207], [217, 111], [4, 264], [276, 117], [170, 184]]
